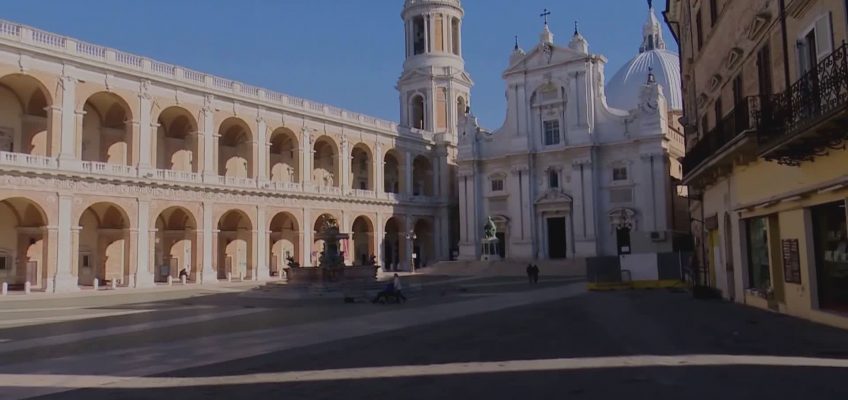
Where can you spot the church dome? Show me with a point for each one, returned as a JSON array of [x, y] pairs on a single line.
[[624, 88]]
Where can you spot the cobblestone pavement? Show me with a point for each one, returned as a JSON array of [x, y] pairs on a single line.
[[455, 338]]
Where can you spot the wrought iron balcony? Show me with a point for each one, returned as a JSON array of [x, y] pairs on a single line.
[[718, 142], [810, 117]]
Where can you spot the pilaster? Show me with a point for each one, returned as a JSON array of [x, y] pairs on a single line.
[[143, 275], [209, 275], [64, 280], [263, 269]]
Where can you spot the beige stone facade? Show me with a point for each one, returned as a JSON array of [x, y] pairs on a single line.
[[766, 87], [121, 168]]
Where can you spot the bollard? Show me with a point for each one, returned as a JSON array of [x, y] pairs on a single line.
[[27, 287], [170, 280], [229, 276], [183, 279], [96, 283], [113, 284], [4, 289]]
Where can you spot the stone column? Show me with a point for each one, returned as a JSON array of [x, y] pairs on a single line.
[[408, 245], [305, 156], [380, 235], [306, 246], [263, 148], [209, 274], [51, 257], [379, 167], [145, 122], [407, 172], [469, 226], [263, 272], [68, 131], [210, 141], [143, 276], [344, 158], [64, 280], [345, 227]]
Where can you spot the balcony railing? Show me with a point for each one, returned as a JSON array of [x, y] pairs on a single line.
[[177, 176], [237, 181], [26, 160], [102, 168], [363, 193], [392, 196], [741, 120], [795, 123], [283, 186]]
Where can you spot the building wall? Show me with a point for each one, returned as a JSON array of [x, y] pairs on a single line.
[[103, 147], [732, 193]]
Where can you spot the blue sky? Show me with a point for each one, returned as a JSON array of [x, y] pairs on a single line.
[[347, 53]]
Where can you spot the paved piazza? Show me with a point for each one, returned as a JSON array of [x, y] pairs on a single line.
[[470, 337]]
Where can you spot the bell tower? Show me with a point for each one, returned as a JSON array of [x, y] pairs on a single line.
[[434, 87]]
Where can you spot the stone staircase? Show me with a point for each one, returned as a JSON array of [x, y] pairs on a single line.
[[566, 268]]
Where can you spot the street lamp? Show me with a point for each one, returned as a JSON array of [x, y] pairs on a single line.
[[411, 237]]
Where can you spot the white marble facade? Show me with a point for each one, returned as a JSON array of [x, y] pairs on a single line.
[[567, 175]]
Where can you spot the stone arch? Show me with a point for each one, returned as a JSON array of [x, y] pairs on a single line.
[[24, 101], [423, 244], [363, 240], [422, 176], [234, 245], [325, 162], [393, 178], [317, 244], [177, 144], [23, 243], [107, 130], [104, 244], [235, 149], [361, 167], [394, 246], [461, 107], [284, 156], [284, 241], [417, 109], [175, 245]]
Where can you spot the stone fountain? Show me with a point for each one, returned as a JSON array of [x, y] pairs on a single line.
[[331, 267]]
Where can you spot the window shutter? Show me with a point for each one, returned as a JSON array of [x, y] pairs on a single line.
[[824, 37]]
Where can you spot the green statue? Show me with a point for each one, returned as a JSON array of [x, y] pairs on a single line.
[[490, 231]]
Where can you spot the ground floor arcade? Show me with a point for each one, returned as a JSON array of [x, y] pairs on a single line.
[[61, 242]]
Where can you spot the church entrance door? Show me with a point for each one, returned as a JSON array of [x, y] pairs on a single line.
[[622, 236], [556, 238]]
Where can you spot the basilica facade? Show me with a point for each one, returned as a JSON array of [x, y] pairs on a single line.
[[116, 168], [580, 167]]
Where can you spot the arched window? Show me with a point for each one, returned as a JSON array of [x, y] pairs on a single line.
[[416, 115], [419, 33]]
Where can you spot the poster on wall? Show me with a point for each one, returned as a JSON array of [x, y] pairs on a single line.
[[791, 261]]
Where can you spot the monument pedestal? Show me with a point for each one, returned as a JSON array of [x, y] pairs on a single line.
[[490, 250]]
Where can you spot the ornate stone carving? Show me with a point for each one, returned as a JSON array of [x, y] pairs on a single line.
[[144, 89], [208, 103]]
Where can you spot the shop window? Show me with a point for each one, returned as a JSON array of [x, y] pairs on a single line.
[[759, 275], [831, 244]]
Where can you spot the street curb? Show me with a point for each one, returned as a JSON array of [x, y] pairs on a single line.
[[635, 285]]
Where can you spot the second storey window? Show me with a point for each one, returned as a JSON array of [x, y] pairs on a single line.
[[619, 174], [551, 128], [497, 185]]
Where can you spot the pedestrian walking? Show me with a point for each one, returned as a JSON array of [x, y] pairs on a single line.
[[535, 273], [398, 289], [529, 273]]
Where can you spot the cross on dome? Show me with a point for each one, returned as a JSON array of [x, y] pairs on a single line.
[[545, 13]]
